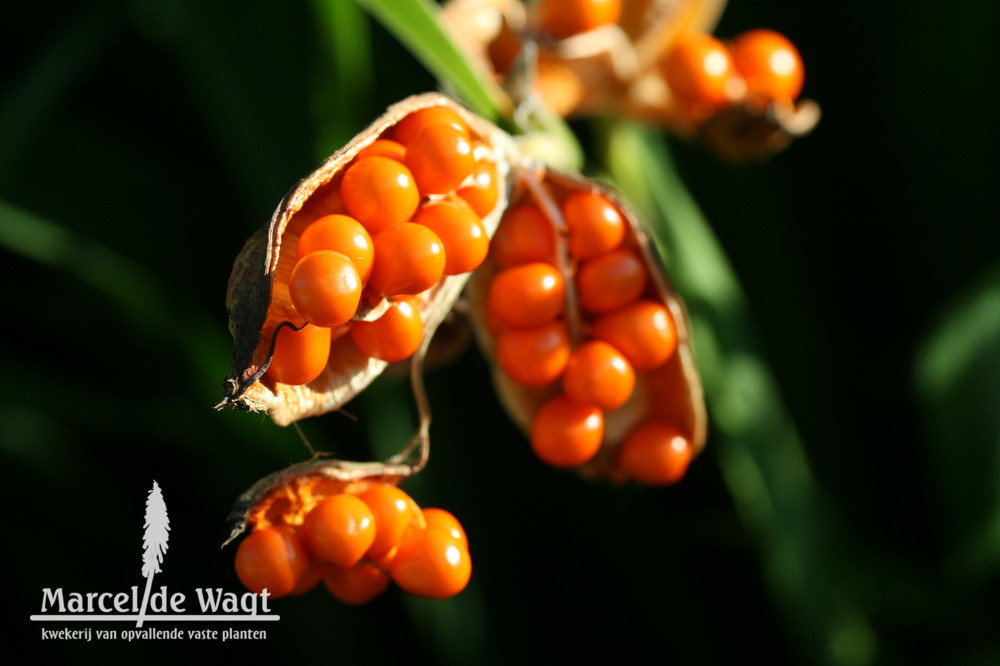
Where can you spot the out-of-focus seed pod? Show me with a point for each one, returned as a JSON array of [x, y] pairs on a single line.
[[617, 69]]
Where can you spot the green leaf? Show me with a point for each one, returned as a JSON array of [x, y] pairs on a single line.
[[344, 29], [124, 281], [139, 297], [415, 24], [958, 384], [39, 88]]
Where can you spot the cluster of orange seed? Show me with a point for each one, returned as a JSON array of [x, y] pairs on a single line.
[[588, 350], [405, 213], [707, 75], [356, 543], [576, 308], [589, 342]]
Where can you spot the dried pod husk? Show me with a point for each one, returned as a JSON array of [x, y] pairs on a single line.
[[670, 392], [754, 132], [652, 25], [258, 298], [745, 130], [568, 75], [286, 496]]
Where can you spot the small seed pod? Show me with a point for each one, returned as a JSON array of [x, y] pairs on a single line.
[[605, 381], [349, 525], [365, 250]]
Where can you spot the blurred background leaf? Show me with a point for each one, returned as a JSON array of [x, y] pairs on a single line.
[[415, 24], [958, 381]]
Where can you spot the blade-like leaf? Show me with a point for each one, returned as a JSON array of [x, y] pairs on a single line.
[[55, 246], [415, 24], [958, 382], [345, 33], [39, 88]]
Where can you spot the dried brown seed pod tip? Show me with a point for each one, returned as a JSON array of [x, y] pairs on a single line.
[[746, 133]]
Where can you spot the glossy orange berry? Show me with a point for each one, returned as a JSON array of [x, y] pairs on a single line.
[[461, 232], [299, 356], [383, 148], [339, 233], [394, 511], [410, 126], [439, 157], [565, 18], [379, 192], [655, 453], [611, 281], [394, 336], [272, 558], [325, 288], [699, 70], [311, 578], [643, 332], [566, 433], [446, 521], [534, 356], [527, 295], [524, 235], [770, 64], [431, 563], [595, 224], [598, 374], [482, 193], [355, 585], [339, 529], [409, 258]]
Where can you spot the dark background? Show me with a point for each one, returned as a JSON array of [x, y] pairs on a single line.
[[142, 142]]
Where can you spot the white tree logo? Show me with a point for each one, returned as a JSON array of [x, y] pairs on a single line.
[[154, 542]]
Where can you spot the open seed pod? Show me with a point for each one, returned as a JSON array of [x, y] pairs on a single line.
[[588, 341], [266, 299], [286, 497], [350, 526], [616, 68]]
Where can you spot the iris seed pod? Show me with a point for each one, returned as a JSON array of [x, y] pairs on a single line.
[[258, 299], [669, 392]]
